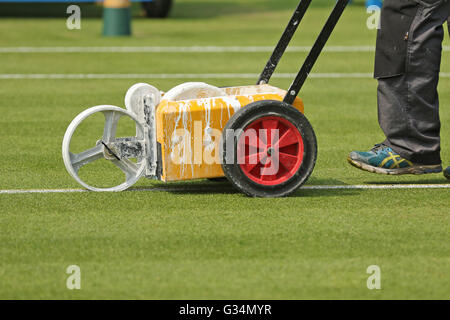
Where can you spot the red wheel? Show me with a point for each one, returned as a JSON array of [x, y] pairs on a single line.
[[272, 153], [269, 149]]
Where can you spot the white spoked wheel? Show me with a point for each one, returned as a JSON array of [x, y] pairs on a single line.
[[107, 148]]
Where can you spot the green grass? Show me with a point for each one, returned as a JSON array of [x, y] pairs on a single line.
[[187, 243]]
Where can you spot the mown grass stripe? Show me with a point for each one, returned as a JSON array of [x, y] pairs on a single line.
[[181, 49]]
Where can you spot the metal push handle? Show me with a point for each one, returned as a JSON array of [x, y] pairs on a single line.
[[313, 54], [284, 41], [311, 59]]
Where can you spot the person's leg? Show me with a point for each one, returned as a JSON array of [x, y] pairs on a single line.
[[448, 25], [408, 57], [408, 105]]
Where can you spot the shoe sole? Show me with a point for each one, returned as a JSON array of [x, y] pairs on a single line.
[[447, 174], [410, 170]]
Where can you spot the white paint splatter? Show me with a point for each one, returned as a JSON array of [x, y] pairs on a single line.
[[207, 138], [232, 102], [184, 115]]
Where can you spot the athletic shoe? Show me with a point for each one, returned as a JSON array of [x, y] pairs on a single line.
[[382, 159], [447, 173]]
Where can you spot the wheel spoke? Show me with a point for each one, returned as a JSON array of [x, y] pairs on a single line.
[[266, 132], [274, 136], [128, 167], [111, 120], [270, 124], [280, 163], [252, 160], [262, 136], [287, 160], [80, 159], [287, 139], [255, 143], [268, 171]]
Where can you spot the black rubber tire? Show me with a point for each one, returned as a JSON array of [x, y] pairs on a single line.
[[157, 8], [252, 112]]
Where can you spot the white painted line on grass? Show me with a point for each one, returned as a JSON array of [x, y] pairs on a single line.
[[175, 76], [181, 49], [117, 76], [193, 188], [130, 76], [22, 191], [380, 186]]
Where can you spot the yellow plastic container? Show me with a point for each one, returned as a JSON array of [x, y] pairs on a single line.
[[189, 131]]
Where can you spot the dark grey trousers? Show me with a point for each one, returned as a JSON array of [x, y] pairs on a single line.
[[407, 66]]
